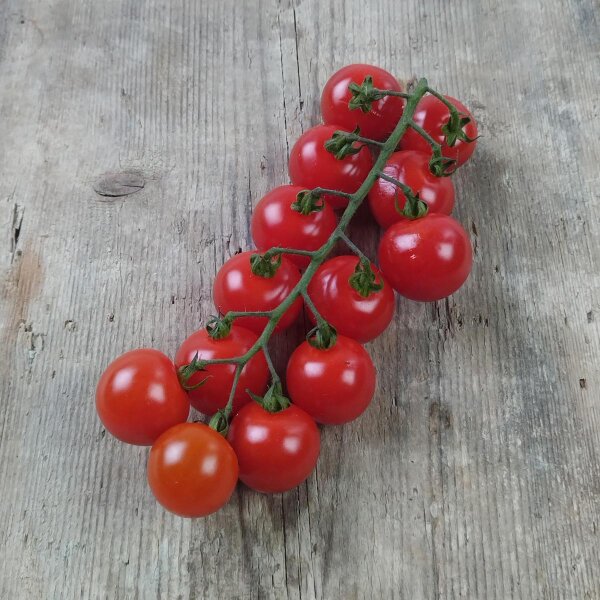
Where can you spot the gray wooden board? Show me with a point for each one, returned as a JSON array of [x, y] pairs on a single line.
[[475, 472]]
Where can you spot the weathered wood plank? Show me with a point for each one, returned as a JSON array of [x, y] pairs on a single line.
[[474, 474]]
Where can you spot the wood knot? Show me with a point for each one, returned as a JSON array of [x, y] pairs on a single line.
[[114, 185]]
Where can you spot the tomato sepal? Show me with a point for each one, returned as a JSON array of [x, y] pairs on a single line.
[[219, 422], [186, 371], [414, 207], [274, 400], [441, 166], [265, 266], [364, 280], [308, 202], [218, 327], [364, 95], [342, 144], [454, 131], [323, 336]]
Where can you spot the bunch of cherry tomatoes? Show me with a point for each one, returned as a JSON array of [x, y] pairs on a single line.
[[268, 440]]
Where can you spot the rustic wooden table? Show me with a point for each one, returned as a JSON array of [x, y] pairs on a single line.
[[474, 474]]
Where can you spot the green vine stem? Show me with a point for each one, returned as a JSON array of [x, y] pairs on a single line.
[[352, 246], [387, 148]]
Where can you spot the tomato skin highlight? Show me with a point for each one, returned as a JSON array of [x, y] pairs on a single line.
[[214, 392], [312, 166], [333, 386], [432, 114], [354, 316], [426, 259], [138, 397], [275, 223], [411, 168], [192, 470], [237, 288], [276, 451], [384, 115]]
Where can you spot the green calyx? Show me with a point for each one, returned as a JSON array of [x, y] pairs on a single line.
[[364, 95], [441, 166], [308, 202], [323, 336], [265, 266], [220, 423], [185, 372], [342, 144], [364, 280], [218, 328], [414, 207], [274, 400], [454, 131]]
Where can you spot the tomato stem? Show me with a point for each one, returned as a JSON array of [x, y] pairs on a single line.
[[392, 93], [322, 191], [234, 314], [405, 189], [311, 305], [277, 251], [414, 207], [318, 256], [274, 375], [354, 248], [453, 110]]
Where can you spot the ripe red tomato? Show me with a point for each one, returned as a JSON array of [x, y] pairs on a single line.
[[426, 259], [312, 166], [192, 470], [412, 169], [432, 114], [276, 223], [214, 392], [276, 451], [333, 385], [139, 397], [384, 115], [361, 318], [237, 288]]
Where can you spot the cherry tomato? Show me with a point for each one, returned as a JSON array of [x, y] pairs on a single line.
[[214, 392], [432, 114], [412, 169], [237, 288], [426, 259], [192, 470], [384, 115], [312, 166], [276, 223], [139, 397], [276, 451], [333, 386], [361, 318]]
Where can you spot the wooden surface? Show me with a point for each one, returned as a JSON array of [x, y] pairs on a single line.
[[474, 474]]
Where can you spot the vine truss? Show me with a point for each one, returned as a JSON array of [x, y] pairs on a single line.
[[341, 144]]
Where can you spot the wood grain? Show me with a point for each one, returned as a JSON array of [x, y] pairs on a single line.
[[475, 474]]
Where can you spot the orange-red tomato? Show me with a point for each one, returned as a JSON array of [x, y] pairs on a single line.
[[192, 470]]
